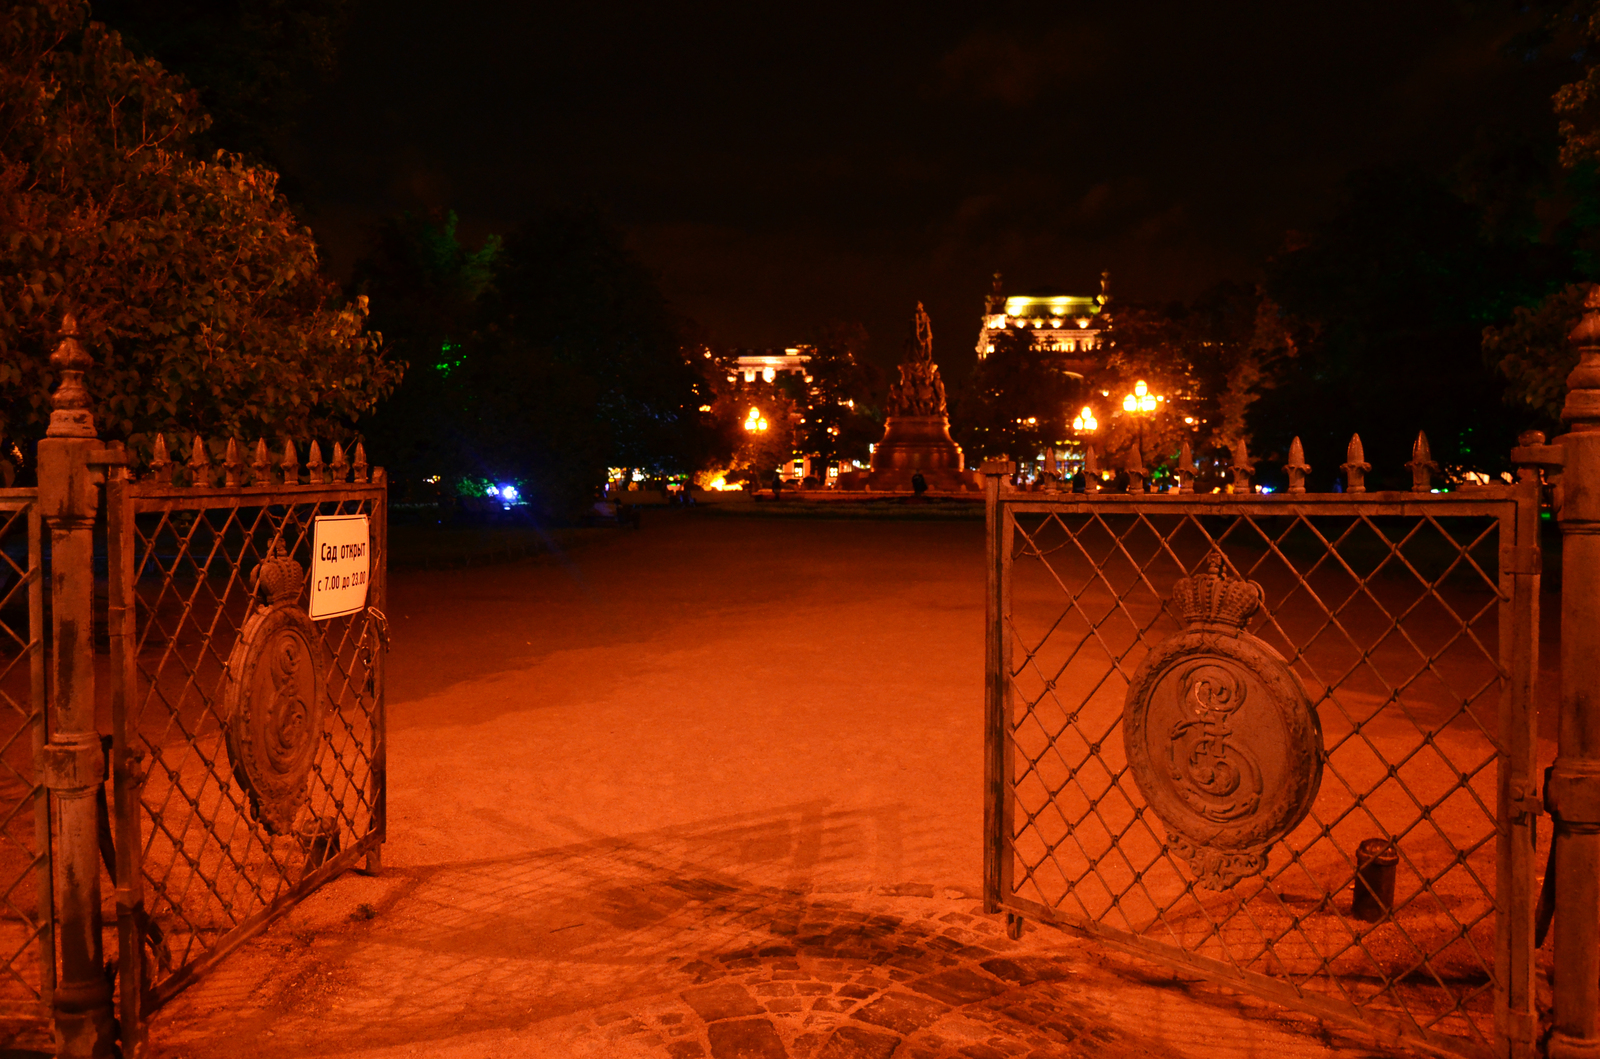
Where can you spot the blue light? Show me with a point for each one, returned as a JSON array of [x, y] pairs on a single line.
[[1266, 489], [508, 491], [494, 490]]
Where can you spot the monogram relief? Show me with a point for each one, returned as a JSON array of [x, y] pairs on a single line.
[[1221, 737]]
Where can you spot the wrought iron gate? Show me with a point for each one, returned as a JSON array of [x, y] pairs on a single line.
[[244, 741], [1410, 621], [27, 939], [207, 865]]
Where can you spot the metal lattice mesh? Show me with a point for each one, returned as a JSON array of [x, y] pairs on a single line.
[[24, 864], [1392, 626], [208, 865]]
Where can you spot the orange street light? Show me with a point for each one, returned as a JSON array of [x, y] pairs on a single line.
[[1085, 422], [754, 421]]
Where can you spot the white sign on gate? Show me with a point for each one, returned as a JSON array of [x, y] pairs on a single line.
[[341, 547]]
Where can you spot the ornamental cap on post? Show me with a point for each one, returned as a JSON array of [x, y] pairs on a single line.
[[1297, 467], [1355, 466], [1422, 465], [1185, 469], [160, 462], [200, 463], [1242, 465], [1582, 408], [1136, 472], [70, 416]]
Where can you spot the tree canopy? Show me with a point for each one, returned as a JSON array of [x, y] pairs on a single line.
[[194, 287]]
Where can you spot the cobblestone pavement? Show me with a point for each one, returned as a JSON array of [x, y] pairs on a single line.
[[527, 958]]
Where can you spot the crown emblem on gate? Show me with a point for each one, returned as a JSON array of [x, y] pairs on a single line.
[[279, 576], [1213, 596]]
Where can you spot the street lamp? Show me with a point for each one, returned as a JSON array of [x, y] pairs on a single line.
[[754, 421], [1085, 422], [1141, 402]]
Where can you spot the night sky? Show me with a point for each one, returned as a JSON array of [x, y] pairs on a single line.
[[780, 167]]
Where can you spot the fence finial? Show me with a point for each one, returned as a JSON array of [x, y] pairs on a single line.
[[1136, 472], [361, 462], [1185, 469], [314, 464], [232, 465], [1582, 407], [1422, 465], [160, 462], [290, 464], [200, 462], [338, 466], [1091, 470], [1297, 467], [70, 416], [1355, 466], [1239, 457], [260, 467]]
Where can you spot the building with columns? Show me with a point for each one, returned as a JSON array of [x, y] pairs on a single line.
[[1070, 325]]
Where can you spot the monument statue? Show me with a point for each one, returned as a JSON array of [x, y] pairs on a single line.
[[916, 440]]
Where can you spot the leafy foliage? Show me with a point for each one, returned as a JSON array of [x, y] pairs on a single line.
[[252, 63], [195, 289]]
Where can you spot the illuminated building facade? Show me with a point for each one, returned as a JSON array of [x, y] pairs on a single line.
[[1071, 326], [769, 364]]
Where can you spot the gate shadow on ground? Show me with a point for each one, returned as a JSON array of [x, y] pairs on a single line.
[[624, 944]]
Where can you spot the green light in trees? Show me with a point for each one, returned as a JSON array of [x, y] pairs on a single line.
[[452, 356]]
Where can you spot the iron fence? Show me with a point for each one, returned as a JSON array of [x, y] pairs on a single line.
[[1410, 621]]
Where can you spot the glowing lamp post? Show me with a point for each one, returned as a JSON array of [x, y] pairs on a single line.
[[1085, 422], [1141, 402], [754, 421]]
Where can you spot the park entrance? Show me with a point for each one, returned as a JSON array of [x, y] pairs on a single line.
[[1283, 742]]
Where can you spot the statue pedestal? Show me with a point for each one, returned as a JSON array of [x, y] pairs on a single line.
[[916, 444]]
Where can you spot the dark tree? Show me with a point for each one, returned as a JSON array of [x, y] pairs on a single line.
[[1386, 305], [254, 63], [195, 289], [424, 289], [579, 364], [1017, 401], [839, 424]]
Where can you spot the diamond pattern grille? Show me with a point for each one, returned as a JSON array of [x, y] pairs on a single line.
[[1391, 623], [208, 866], [25, 928]]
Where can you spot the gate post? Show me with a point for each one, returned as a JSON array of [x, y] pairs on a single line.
[[1572, 790], [74, 763]]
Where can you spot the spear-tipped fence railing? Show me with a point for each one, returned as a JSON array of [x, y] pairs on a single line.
[[1409, 618]]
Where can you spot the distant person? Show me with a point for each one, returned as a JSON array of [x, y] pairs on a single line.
[[777, 486], [919, 484]]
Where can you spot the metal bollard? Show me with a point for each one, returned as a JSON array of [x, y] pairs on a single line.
[[1373, 897]]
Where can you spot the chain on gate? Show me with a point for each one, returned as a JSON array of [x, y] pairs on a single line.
[[1286, 743]]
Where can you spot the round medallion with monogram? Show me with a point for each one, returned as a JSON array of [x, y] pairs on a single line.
[[1221, 737], [274, 697]]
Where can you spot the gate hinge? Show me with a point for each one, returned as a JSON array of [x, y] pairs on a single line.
[[1525, 805], [76, 765], [1572, 793], [1551, 456], [1525, 559]]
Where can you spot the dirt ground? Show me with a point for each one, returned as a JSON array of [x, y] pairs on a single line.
[[709, 789]]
